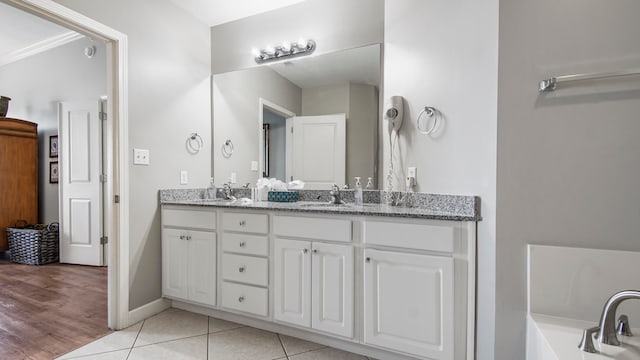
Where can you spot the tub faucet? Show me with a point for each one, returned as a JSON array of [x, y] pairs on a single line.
[[335, 195], [607, 334]]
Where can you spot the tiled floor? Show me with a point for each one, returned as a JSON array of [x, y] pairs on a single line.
[[180, 335]]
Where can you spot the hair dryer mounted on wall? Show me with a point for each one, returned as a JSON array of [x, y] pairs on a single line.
[[393, 113]]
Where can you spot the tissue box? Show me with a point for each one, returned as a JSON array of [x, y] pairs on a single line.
[[283, 196]]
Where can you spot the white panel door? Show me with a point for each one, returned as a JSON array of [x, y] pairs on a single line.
[[201, 272], [318, 150], [332, 289], [79, 181], [409, 303], [292, 283], [174, 264]]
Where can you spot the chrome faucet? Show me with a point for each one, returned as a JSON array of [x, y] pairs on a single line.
[[607, 334], [227, 191], [335, 195]]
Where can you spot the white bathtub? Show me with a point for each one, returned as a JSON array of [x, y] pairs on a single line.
[[553, 338]]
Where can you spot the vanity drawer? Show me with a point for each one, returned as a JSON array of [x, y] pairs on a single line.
[[313, 228], [252, 223], [410, 235], [245, 298], [246, 269], [245, 244], [192, 217]]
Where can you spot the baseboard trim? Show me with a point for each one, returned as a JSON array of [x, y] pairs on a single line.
[[148, 310]]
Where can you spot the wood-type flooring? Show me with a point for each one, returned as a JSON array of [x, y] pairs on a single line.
[[49, 310]]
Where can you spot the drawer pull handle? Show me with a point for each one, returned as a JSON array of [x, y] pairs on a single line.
[[243, 223], [243, 244], [368, 259], [242, 268], [241, 299]]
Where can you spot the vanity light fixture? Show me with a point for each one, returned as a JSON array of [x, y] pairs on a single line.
[[286, 50]]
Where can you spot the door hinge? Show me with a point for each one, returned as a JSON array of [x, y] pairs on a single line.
[[116, 199], [104, 240], [103, 115], [103, 178]]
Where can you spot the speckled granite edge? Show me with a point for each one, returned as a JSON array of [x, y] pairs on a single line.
[[436, 206]]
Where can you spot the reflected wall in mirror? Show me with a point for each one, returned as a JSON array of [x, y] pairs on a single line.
[[322, 114]]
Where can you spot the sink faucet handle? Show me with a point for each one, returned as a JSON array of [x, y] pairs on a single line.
[[623, 327], [586, 344]]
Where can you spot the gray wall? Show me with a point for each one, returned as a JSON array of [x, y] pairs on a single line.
[[333, 24], [236, 106], [169, 98], [568, 169], [445, 54], [37, 84]]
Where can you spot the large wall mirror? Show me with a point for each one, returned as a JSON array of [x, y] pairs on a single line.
[[312, 118]]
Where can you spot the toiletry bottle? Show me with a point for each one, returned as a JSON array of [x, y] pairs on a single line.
[[369, 184], [358, 192], [211, 190]]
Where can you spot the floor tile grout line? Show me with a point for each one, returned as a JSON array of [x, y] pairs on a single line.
[[286, 354], [136, 339], [168, 341]]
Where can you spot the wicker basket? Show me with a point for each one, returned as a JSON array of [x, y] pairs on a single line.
[[33, 244]]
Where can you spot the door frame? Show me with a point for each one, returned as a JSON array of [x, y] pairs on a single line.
[[117, 213], [273, 107]]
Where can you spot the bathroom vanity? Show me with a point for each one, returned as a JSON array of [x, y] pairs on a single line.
[[386, 282]]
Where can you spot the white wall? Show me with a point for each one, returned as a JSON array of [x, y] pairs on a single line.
[[236, 103], [37, 84], [169, 98], [568, 169], [445, 54]]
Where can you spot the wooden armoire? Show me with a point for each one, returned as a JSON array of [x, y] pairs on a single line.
[[18, 174]]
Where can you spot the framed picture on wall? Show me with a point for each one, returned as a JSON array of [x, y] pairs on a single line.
[[53, 172], [53, 146]]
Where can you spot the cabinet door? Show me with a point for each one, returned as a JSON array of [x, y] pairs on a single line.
[[292, 283], [332, 288], [174, 264], [409, 303], [201, 273]]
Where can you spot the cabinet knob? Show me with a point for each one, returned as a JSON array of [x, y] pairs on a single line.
[[368, 259], [315, 251], [305, 251], [241, 299], [188, 237], [242, 268], [243, 244], [182, 237], [243, 223]]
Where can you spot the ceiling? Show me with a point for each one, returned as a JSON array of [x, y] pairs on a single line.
[[20, 32]]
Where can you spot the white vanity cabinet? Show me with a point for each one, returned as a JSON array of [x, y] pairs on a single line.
[[189, 254], [314, 280], [245, 262], [410, 301]]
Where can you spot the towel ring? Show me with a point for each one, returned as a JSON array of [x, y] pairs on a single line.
[[194, 143], [430, 112], [227, 148]]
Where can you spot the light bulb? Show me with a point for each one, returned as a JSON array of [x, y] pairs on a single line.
[[255, 52], [286, 46], [302, 43], [270, 50]]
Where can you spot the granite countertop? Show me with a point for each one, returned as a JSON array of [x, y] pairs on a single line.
[[420, 205]]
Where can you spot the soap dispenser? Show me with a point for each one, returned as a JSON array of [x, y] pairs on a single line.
[[211, 190], [358, 192]]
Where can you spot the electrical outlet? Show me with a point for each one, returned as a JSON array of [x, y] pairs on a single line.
[[140, 157], [254, 166], [184, 177], [411, 172]]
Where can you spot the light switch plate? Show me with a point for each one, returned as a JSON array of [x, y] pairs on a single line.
[[140, 157], [233, 178], [411, 172], [184, 177], [254, 166]]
